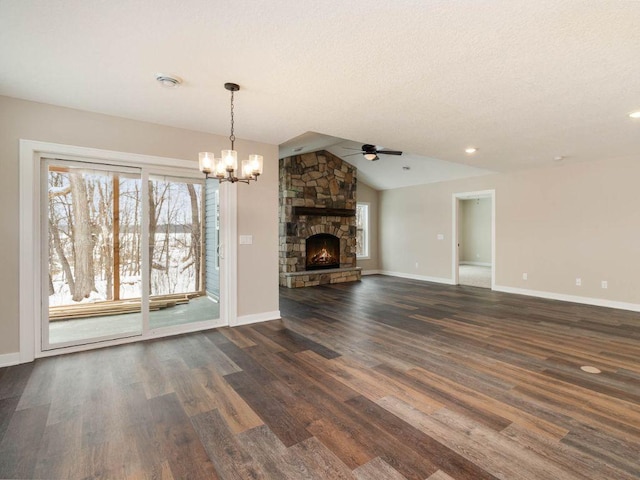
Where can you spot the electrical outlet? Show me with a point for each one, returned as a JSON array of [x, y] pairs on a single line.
[[525, 276], [578, 282], [416, 264], [604, 284]]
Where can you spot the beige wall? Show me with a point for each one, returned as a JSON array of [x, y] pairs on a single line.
[[257, 263], [555, 223], [474, 232], [368, 195]]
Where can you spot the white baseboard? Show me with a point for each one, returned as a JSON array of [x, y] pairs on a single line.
[[371, 272], [476, 264], [410, 276], [598, 302], [9, 359], [256, 317]]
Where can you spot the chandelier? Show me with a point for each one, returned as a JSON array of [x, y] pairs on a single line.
[[225, 167]]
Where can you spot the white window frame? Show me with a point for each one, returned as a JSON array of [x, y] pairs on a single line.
[[30, 256], [366, 230]]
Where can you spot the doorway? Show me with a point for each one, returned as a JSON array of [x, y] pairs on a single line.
[[124, 252], [114, 247], [474, 239]]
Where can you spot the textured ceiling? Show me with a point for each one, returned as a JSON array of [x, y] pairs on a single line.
[[523, 81]]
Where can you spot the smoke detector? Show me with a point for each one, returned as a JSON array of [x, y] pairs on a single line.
[[168, 81]]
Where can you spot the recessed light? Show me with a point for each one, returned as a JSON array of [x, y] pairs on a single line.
[[168, 81], [470, 150], [559, 158], [635, 114]]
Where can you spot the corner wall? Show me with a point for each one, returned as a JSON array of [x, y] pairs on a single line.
[[19, 119], [556, 224]]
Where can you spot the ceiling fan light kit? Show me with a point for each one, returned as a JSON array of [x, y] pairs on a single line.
[[371, 152]]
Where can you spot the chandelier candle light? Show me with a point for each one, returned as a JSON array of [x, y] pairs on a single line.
[[225, 167]]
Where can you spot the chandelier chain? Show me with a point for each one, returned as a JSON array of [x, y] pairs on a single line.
[[232, 137]]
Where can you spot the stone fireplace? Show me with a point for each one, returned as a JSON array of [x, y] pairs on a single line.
[[317, 220]]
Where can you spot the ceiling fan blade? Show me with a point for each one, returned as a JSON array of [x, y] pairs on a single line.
[[349, 148], [352, 154], [390, 152]]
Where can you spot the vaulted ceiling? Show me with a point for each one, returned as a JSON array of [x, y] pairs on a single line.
[[522, 81]]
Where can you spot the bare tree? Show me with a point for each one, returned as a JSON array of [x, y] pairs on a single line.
[[82, 239], [59, 249], [157, 198], [195, 249], [59, 213], [83, 211], [105, 224]]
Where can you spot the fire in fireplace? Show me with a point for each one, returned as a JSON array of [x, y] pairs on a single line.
[[323, 251]]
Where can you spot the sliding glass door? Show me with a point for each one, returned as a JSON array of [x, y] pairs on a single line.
[[94, 253], [124, 249], [176, 253]]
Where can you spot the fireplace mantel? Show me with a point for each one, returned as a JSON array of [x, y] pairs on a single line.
[[324, 212]]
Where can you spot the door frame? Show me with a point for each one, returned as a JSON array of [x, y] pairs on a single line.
[[31, 256], [456, 230]]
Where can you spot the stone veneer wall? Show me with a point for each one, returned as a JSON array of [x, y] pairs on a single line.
[[317, 180]]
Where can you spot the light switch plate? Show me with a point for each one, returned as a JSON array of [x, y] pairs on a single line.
[[440, 236], [246, 239]]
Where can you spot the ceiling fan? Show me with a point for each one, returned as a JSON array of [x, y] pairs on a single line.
[[371, 152]]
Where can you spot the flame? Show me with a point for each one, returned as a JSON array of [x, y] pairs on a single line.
[[323, 256]]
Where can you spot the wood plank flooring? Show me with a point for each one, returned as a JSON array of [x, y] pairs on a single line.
[[383, 379]]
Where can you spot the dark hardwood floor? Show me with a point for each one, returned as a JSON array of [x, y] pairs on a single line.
[[381, 379]]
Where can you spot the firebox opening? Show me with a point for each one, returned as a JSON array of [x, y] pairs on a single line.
[[323, 251]]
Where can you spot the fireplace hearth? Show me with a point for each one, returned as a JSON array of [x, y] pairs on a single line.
[[323, 251]]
